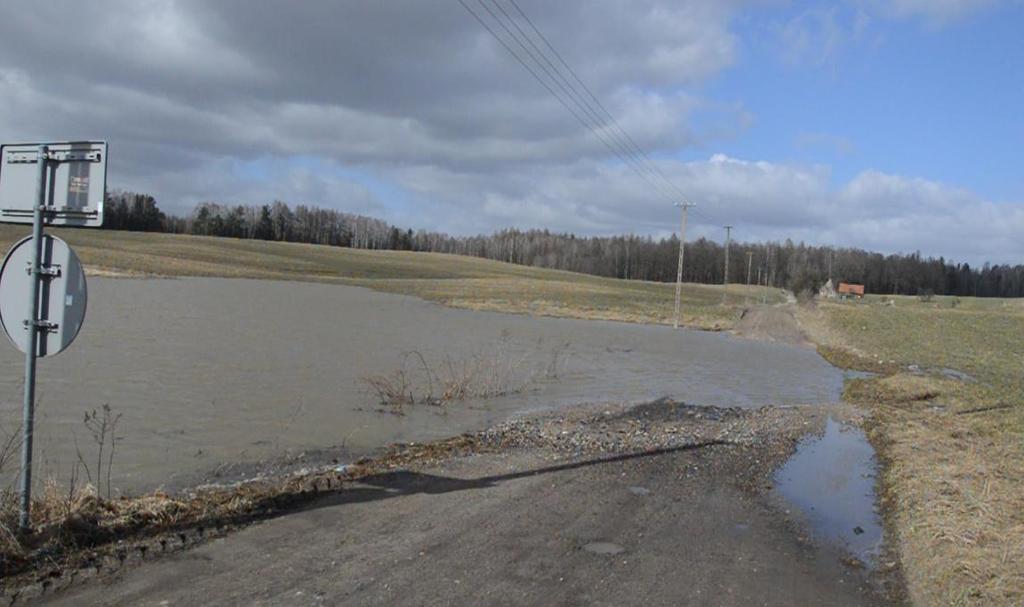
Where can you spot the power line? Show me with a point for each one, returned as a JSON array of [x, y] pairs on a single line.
[[547, 86], [611, 119], [586, 109], [599, 119], [614, 145], [556, 76]]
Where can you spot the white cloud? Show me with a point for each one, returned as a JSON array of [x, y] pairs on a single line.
[[874, 210], [935, 12], [418, 96], [368, 84], [818, 35]]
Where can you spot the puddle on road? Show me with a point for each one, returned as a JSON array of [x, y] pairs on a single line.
[[604, 548], [854, 374], [831, 479]]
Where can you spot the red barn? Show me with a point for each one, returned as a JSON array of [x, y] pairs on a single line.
[[847, 290]]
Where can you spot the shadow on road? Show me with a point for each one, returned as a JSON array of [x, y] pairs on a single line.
[[403, 482]]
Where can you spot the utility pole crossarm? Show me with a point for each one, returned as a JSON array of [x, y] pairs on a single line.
[[685, 206]]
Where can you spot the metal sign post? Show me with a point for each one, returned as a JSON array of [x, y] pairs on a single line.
[[31, 325], [69, 188]]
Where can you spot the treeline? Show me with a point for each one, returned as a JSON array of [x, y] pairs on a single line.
[[797, 267], [307, 224], [131, 211]]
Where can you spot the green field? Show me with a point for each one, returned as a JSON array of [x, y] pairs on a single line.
[[465, 282]]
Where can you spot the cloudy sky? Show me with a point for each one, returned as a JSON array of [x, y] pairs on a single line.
[[889, 125]]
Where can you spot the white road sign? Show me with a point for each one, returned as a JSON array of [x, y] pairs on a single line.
[[76, 183], [62, 295]]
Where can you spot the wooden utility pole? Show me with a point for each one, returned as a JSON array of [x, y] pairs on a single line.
[[685, 206], [725, 278], [728, 234], [750, 263]]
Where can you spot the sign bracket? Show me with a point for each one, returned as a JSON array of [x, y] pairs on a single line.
[[46, 271]]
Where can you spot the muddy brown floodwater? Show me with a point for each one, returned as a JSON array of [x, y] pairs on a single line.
[[207, 371]]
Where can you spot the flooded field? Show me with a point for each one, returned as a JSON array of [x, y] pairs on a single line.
[[206, 371]]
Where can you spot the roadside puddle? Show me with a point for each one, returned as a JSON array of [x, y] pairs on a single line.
[[854, 374], [831, 480]]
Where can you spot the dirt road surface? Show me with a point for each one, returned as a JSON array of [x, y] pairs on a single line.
[[775, 323], [661, 505]]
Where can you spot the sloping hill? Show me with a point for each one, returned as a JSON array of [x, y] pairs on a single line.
[[454, 280]]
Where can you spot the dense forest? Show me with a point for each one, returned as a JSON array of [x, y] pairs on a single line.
[[794, 266]]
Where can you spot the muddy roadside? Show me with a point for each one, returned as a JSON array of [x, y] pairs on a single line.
[[940, 389], [660, 503], [775, 323]]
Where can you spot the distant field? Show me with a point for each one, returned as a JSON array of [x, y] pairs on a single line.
[[952, 302], [459, 281]]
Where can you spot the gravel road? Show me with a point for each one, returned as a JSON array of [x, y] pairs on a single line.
[[661, 504]]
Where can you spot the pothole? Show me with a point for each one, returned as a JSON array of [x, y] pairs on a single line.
[[604, 548]]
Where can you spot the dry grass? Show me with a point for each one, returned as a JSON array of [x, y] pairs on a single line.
[[391, 389], [489, 373], [952, 481], [591, 299], [81, 529], [905, 388], [954, 498], [66, 523]]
